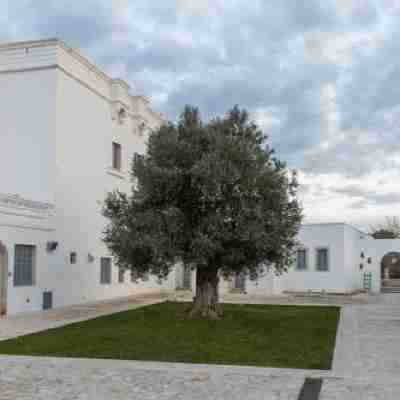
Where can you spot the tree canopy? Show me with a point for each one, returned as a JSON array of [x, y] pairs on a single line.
[[210, 195]]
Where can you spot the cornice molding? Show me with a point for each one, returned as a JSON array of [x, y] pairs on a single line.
[[30, 44], [32, 227], [58, 60], [21, 205], [29, 69]]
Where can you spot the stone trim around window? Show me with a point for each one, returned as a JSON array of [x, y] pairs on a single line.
[[114, 172]]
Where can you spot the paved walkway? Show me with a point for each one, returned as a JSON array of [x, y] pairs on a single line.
[[23, 324], [366, 364], [367, 353], [26, 378]]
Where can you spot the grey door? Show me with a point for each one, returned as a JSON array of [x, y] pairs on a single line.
[[47, 300], [239, 282], [187, 278]]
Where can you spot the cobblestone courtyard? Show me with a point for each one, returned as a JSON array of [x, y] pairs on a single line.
[[366, 365]]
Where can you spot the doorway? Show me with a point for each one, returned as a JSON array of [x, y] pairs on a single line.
[[187, 278], [183, 277], [390, 266], [239, 282], [3, 279]]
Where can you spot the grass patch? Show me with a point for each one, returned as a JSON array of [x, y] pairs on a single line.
[[260, 335]]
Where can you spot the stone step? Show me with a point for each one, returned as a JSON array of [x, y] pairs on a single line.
[[391, 282], [390, 289]]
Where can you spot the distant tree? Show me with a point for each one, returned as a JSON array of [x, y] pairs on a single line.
[[390, 229], [210, 195]]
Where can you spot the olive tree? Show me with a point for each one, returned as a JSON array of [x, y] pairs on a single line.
[[210, 195]]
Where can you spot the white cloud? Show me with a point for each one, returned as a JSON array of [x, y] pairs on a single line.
[[320, 77]]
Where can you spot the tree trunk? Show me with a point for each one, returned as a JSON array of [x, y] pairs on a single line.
[[206, 302]]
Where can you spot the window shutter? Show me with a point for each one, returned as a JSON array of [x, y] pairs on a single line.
[[105, 270], [322, 259], [24, 263], [301, 259]]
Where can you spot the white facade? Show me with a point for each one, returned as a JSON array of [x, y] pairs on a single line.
[[341, 242], [59, 118], [351, 255]]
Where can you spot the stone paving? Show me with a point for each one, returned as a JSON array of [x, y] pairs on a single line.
[[23, 324], [366, 362], [368, 340], [26, 378], [367, 355]]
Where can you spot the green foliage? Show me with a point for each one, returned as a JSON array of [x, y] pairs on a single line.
[[390, 229], [263, 335], [211, 195]]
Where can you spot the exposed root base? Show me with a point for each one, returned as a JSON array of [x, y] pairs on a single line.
[[206, 301], [214, 312]]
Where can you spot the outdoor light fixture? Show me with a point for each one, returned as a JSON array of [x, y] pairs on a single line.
[[72, 257], [121, 115], [369, 260], [361, 266], [90, 257], [51, 246], [362, 254]]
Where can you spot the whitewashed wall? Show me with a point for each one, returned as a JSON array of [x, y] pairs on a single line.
[[85, 132], [58, 124], [311, 237], [27, 137]]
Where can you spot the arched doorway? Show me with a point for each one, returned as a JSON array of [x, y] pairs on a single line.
[[390, 272], [3, 279]]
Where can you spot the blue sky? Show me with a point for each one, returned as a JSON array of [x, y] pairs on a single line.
[[321, 78]]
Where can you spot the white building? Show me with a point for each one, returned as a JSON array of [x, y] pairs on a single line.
[[68, 133], [332, 258]]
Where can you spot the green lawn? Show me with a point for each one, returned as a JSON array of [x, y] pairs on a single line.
[[262, 335]]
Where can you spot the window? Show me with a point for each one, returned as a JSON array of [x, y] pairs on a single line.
[[322, 259], [116, 156], [24, 265], [121, 275], [105, 270], [301, 260]]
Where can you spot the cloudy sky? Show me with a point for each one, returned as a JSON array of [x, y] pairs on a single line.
[[321, 77]]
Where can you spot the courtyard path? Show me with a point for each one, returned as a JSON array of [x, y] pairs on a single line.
[[23, 324], [367, 355], [30, 378]]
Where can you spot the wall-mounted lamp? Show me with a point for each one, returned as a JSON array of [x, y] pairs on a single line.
[[51, 246], [361, 266], [141, 128], [121, 115], [362, 254], [72, 257], [90, 258], [369, 260]]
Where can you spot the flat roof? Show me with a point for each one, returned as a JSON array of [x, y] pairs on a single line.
[[335, 223]]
